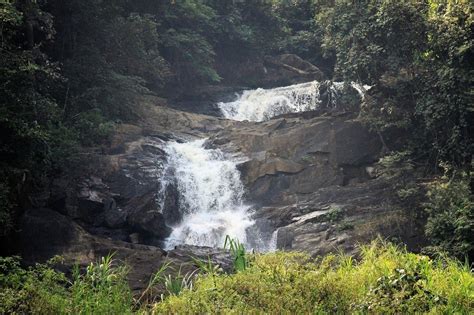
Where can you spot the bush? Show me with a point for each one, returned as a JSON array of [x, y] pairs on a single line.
[[450, 223], [93, 128], [387, 279], [102, 289], [38, 290], [5, 208]]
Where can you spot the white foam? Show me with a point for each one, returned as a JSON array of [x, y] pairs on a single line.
[[210, 192], [263, 104]]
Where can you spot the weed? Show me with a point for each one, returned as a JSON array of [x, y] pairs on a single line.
[[335, 214], [148, 295], [237, 250], [174, 285]]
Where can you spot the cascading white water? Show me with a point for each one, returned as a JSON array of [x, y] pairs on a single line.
[[210, 192], [263, 104]]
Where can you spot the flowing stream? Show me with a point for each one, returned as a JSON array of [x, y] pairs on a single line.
[[263, 104]]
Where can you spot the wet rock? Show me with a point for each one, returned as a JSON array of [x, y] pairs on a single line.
[[135, 238], [171, 211], [145, 216], [354, 144], [114, 217], [298, 170], [90, 200], [255, 169]]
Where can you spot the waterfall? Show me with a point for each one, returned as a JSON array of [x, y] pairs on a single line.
[[210, 194], [263, 104]]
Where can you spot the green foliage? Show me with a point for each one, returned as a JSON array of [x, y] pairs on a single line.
[[28, 113], [419, 55], [365, 36], [446, 96], [186, 42], [237, 250], [403, 291], [175, 284], [450, 223], [102, 289], [386, 279], [93, 128], [396, 164], [109, 57], [207, 267], [335, 214], [38, 290]]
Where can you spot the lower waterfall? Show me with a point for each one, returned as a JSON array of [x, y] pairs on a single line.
[[210, 196]]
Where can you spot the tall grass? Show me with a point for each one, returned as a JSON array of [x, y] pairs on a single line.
[[100, 289], [238, 252], [386, 279]]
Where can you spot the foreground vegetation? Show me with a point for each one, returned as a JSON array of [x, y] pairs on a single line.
[[386, 279]]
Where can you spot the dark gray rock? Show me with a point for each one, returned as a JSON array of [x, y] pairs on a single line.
[[171, 211], [114, 217], [145, 216]]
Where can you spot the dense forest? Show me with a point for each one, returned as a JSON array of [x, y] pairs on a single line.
[[72, 71]]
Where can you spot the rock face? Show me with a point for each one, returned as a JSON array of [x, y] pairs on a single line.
[[299, 156], [309, 177]]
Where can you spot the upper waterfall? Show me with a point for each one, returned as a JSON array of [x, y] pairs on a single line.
[[263, 104], [210, 193]]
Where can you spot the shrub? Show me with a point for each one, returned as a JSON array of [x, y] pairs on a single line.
[[387, 279], [238, 252], [450, 222], [93, 128], [102, 289], [36, 290]]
